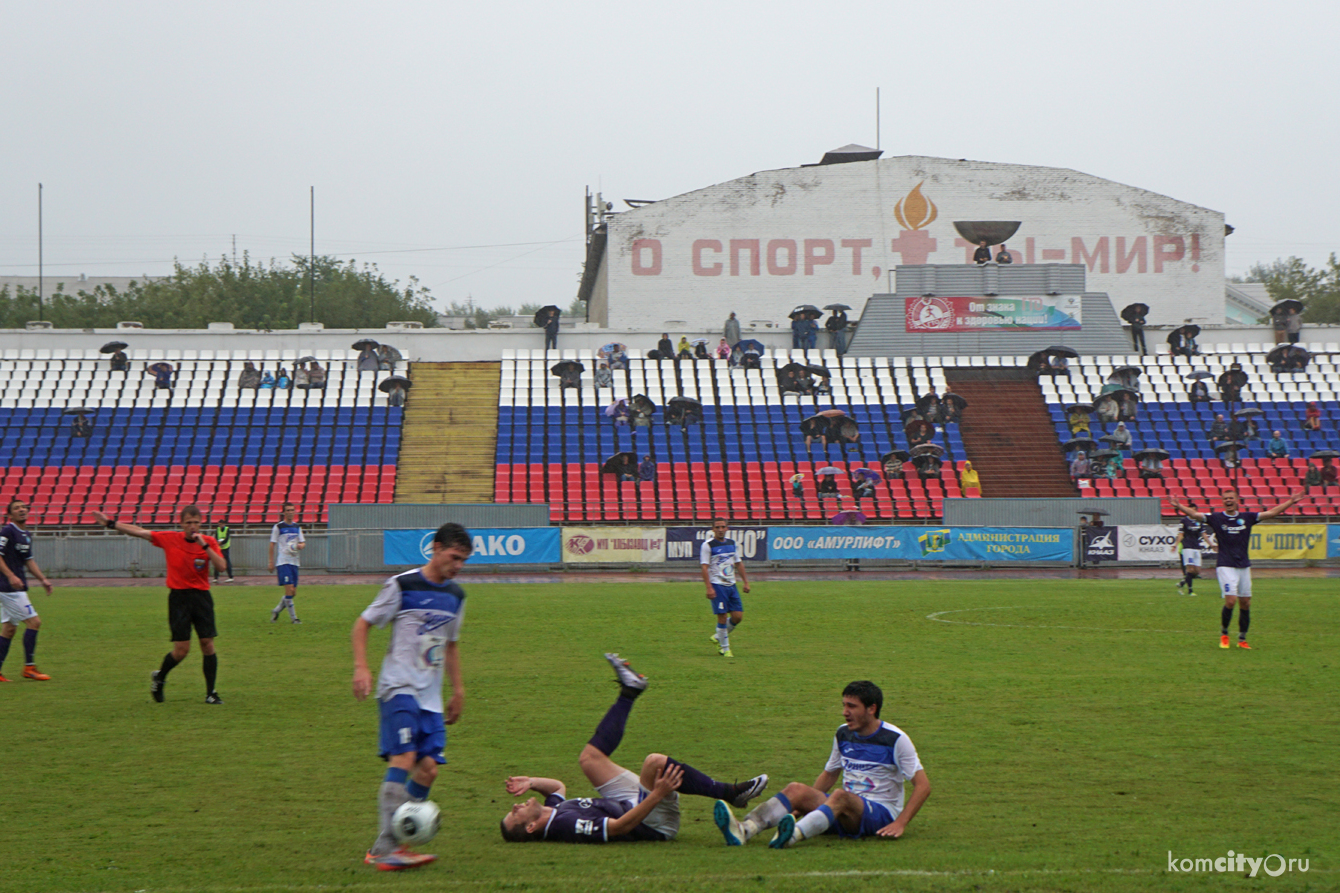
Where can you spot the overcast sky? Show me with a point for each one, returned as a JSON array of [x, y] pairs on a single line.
[[453, 141]]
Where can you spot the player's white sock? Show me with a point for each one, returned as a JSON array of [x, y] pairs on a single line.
[[814, 823], [730, 626], [389, 799], [279, 607], [766, 815], [292, 611], [723, 635]]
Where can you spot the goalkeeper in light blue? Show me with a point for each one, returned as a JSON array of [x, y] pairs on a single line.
[[286, 541]]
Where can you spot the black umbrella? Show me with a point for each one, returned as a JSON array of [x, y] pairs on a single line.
[[1111, 438], [807, 311], [365, 344], [918, 431], [686, 402], [1080, 443], [1085, 408], [113, 347], [619, 463], [1060, 350], [1155, 453], [1097, 513], [846, 430], [791, 369], [1230, 445], [1248, 413], [910, 415], [1325, 454], [927, 449], [1126, 370], [819, 371], [1195, 376], [954, 401], [642, 403], [895, 456], [1288, 305], [815, 426], [542, 315], [308, 359], [1104, 455], [1187, 331], [749, 345], [1233, 376], [1284, 351], [77, 410], [391, 381], [1132, 312], [159, 367], [564, 367], [836, 307]]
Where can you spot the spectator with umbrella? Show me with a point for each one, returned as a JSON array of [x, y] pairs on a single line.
[[804, 329], [1330, 474], [683, 411], [1105, 464], [1120, 438], [641, 409], [1136, 314], [1077, 418], [387, 357], [396, 387], [547, 318], [928, 404], [569, 373], [951, 406], [863, 482], [815, 426], [843, 430], [1231, 383], [927, 459], [850, 517], [700, 349], [1288, 358], [1247, 429], [367, 360], [918, 431], [837, 326], [614, 353], [619, 412], [1199, 392], [1182, 341], [892, 463], [1080, 469], [1230, 452], [1126, 377], [828, 488], [119, 361], [798, 490], [624, 465], [746, 353], [1151, 463], [80, 426], [162, 373], [794, 378], [1289, 316], [969, 480]]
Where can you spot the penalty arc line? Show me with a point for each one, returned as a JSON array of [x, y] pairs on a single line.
[[938, 617]]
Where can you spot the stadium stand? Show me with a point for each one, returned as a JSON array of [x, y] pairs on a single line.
[[552, 441], [238, 454], [1168, 420]]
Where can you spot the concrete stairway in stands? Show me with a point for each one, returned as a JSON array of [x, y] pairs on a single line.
[[1008, 433], [450, 434]]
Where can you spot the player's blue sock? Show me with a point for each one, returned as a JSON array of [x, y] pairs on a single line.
[[4, 649], [610, 731], [1244, 621], [815, 823], [397, 776], [29, 645], [700, 785], [417, 791], [1226, 617]]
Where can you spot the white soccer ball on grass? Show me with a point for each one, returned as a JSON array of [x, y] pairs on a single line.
[[416, 822]]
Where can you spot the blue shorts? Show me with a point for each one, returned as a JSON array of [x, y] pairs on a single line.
[[873, 817], [407, 728], [288, 574], [727, 599]]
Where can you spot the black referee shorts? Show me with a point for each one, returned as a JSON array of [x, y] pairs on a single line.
[[191, 608]]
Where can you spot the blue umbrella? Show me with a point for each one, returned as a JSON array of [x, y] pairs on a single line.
[[750, 345]]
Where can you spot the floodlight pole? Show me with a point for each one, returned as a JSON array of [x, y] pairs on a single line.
[[311, 253], [40, 282]]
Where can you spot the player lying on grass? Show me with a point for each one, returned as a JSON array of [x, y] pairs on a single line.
[[628, 808], [875, 759]]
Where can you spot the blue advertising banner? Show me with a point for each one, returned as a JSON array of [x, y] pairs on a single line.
[[520, 545], [686, 543], [993, 544], [1333, 541]]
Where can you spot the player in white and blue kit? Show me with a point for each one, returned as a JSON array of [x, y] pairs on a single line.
[[874, 758], [286, 541], [719, 558], [1233, 531], [424, 609]]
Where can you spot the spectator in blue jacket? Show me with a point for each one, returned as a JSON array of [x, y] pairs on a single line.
[[1278, 447]]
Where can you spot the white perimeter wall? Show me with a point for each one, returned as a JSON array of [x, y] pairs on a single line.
[[761, 244]]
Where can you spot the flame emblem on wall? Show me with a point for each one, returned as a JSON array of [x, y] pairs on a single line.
[[914, 210]]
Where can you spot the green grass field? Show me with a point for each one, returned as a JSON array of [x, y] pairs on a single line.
[[1074, 732]]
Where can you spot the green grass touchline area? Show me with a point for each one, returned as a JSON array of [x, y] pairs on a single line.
[[1076, 733]]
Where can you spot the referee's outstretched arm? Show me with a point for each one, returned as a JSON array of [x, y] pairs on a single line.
[[123, 527]]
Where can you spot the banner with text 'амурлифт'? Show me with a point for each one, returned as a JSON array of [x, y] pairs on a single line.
[[993, 544]]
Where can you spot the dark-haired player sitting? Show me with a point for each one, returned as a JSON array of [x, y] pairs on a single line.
[[628, 808], [875, 758]]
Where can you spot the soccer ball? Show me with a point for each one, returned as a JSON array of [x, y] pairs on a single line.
[[416, 822]]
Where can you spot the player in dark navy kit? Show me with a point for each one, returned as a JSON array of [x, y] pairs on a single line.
[[874, 758], [16, 557], [1233, 531], [628, 808], [720, 559], [1190, 542]]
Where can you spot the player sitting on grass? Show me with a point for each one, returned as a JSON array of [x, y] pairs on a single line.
[[875, 758], [628, 808]]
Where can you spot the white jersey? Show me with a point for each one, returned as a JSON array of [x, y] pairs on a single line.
[[720, 557], [424, 617], [286, 536], [875, 766]]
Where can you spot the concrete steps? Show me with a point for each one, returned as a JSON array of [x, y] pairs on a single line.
[[1008, 433], [450, 437]]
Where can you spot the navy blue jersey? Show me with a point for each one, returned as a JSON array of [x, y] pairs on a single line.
[[1192, 532], [16, 548], [585, 820], [1234, 533]]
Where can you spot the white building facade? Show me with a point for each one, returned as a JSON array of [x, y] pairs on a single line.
[[760, 245]]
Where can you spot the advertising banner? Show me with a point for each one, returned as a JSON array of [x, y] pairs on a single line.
[[591, 545], [1333, 541], [685, 543], [1288, 541], [993, 544], [512, 545], [1099, 544], [1037, 313], [1147, 542]]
